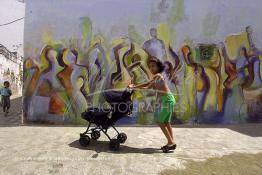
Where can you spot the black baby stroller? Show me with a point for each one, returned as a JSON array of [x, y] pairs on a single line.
[[104, 118]]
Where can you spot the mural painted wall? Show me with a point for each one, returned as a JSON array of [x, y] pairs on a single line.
[[76, 49]]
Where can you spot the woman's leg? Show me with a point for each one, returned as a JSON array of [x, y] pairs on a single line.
[[169, 127], [166, 133]]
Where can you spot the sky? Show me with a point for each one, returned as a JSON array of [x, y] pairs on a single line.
[[12, 34]]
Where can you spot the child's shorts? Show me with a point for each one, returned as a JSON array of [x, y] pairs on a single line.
[[164, 112]]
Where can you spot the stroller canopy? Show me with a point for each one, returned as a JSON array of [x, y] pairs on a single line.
[[114, 96]]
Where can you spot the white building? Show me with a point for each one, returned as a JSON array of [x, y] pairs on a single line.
[[11, 69]]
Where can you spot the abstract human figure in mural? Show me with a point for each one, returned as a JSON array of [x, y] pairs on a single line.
[[172, 71], [217, 68], [230, 68], [96, 60], [253, 90], [52, 84], [174, 75], [252, 64], [241, 65], [31, 76], [154, 46], [127, 58], [133, 64], [67, 60], [168, 73], [116, 76], [139, 73], [239, 85], [97, 67], [201, 84], [248, 69], [250, 82], [253, 49], [212, 62], [47, 88], [78, 79], [231, 72]]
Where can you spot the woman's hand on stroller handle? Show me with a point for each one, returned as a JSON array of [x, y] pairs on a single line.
[[130, 86]]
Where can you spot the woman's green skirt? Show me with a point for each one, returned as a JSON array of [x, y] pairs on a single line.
[[165, 109]]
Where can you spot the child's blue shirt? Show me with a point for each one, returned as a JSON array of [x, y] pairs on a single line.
[[5, 92]]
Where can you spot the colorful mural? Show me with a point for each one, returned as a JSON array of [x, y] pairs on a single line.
[[75, 50]]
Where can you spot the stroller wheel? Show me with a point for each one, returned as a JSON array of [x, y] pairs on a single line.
[[114, 145], [84, 141], [122, 137], [95, 135]]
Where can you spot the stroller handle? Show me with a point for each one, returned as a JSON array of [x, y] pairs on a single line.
[[128, 89]]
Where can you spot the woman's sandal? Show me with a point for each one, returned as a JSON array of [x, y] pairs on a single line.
[[163, 147], [168, 148]]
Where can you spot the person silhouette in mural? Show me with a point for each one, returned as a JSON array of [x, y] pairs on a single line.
[[97, 69], [45, 90], [246, 65], [169, 76], [139, 72], [200, 79], [67, 59], [116, 76], [172, 71], [164, 110], [155, 47], [79, 80], [132, 62], [252, 64], [5, 93], [37, 86], [231, 72]]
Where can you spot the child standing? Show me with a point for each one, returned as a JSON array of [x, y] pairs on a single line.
[[5, 94]]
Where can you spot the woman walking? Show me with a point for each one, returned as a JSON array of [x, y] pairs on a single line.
[[166, 98]]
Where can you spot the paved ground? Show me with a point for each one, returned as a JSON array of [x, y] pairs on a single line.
[[14, 116], [202, 150], [55, 150]]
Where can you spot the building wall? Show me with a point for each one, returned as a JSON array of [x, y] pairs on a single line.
[[76, 49], [11, 69]]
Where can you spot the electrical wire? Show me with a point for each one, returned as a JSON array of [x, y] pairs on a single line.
[[12, 22]]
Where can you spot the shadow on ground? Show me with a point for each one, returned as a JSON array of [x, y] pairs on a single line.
[[102, 146], [14, 118], [250, 129], [237, 163], [253, 131]]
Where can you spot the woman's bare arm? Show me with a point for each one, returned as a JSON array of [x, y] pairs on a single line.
[[143, 85], [149, 84]]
